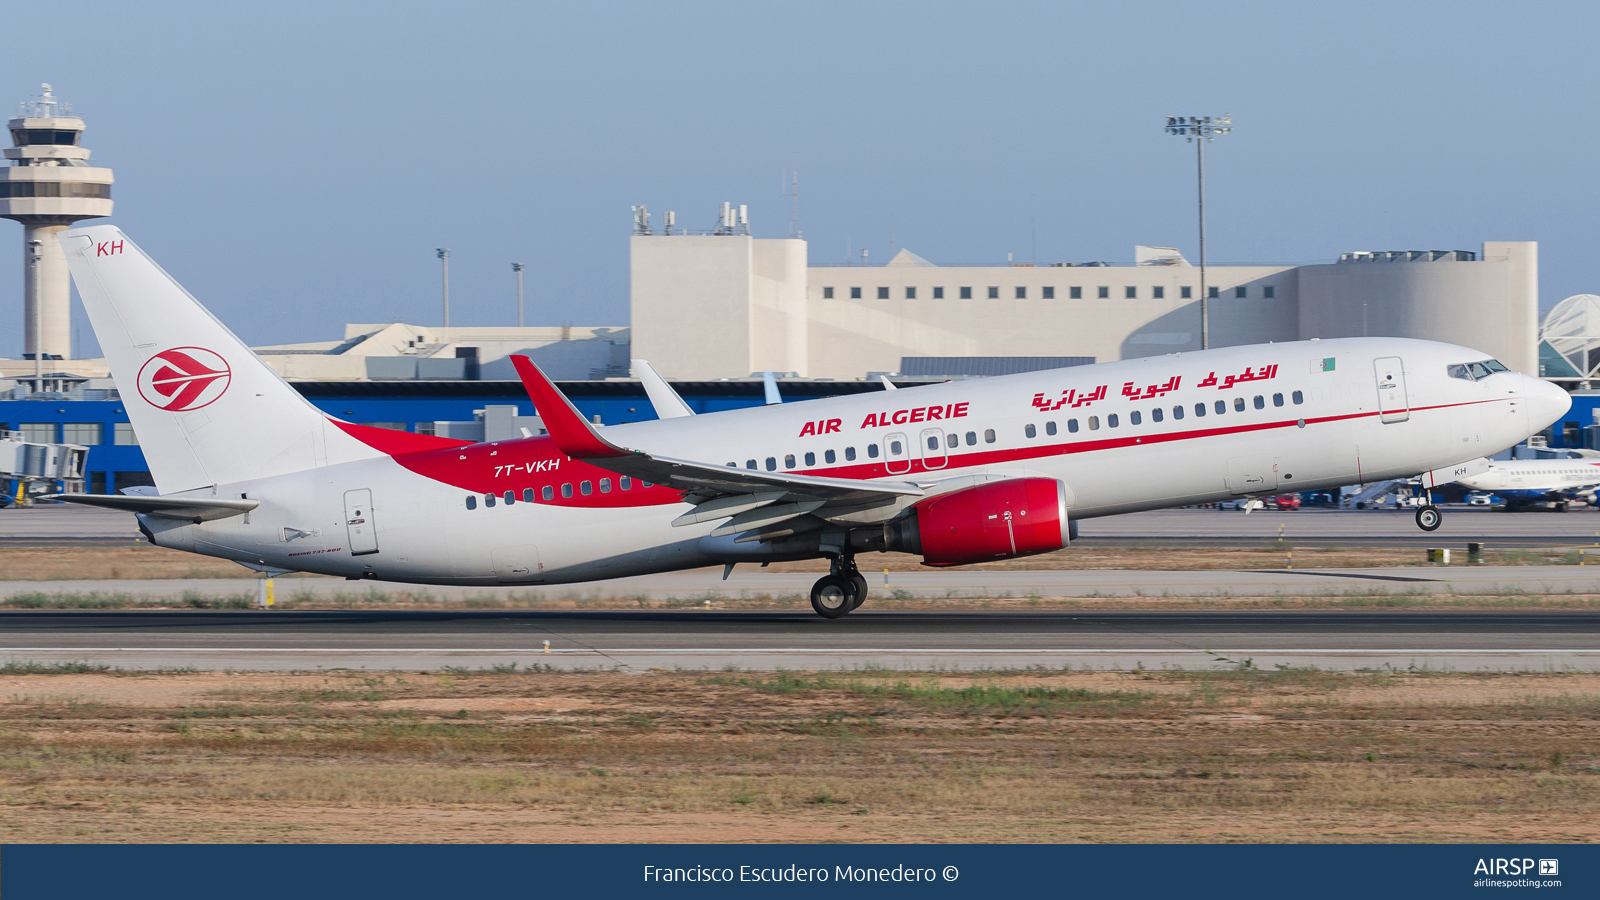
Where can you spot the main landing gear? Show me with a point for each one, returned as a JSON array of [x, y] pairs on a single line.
[[840, 591], [1429, 518]]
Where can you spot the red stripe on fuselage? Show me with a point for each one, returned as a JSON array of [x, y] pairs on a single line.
[[473, 468]]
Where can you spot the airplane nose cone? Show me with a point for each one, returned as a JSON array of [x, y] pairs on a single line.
[[1546, 403]]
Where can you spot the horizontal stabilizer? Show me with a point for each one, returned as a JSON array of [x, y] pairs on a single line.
[[170, 507]]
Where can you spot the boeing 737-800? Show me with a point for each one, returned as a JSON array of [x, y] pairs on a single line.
[[956, 473]]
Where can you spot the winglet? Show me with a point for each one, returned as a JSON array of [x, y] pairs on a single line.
[[573, 436], [666, 400]]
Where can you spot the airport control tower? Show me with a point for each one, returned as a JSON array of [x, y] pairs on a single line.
[[48, 186]]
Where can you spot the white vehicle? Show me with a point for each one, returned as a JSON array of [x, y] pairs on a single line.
[[956, 473]]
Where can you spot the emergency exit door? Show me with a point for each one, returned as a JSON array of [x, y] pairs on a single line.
[[358, 522], [1393, 404]]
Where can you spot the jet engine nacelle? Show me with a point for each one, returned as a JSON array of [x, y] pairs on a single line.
[[998, 520]]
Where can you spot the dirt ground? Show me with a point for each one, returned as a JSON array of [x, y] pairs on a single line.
[[141, 560], [1152, 756]]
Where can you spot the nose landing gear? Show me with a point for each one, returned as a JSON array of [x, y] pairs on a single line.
[[1429, 518], [840, 591]]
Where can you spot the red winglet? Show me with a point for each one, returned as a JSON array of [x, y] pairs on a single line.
[[573, 435]]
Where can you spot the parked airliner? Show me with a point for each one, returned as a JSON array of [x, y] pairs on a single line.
[[1524, 481], [956, 473]]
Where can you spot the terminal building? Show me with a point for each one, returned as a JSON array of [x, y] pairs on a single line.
[[711, 305]]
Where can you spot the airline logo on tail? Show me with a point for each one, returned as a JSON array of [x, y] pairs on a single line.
[[184, 378]]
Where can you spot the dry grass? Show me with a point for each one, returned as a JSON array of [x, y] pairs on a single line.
[[1039, 756]]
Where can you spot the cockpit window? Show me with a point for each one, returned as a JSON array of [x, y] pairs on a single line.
[[1476, 370]]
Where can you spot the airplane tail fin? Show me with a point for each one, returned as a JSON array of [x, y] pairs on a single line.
[[205, 408]]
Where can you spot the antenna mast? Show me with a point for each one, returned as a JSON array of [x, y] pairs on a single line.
[[791, 189]]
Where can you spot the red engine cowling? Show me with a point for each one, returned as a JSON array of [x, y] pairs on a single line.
[[998, 520]]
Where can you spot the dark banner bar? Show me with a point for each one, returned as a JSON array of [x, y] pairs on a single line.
[[1190, 871]]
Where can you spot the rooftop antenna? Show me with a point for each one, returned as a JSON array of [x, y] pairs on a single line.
[[641, 219], [791, 189], [744, 219], [669, 220]]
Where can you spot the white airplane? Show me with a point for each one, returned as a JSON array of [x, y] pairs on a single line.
[[1523, 481], [956, 473]]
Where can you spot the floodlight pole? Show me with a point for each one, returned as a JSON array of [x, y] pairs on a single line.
[[38, 317], [517, 268], [1201, 130], [444, 262]]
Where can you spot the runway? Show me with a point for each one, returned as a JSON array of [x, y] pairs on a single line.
[[701, 585], [695, 639], [63, 524]]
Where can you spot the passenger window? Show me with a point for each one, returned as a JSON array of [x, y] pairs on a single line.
[[605, 485], [510, 497], [788, 461], [872, 450], [625, 483], [644, 484], [1221, 406], [849, 453], [1238, 404], [829, 456], [749, 464], [1156, 414], [547, 492], [895, 448], [472, 502], [587, 488], [1177, 412], [972, 438], [988, 435], [1094, 423], [527, 495], [1133, 417], [1029, 430], [772, 464], [1260, 402], [1277, 399], [1072, 425], [488, 501], [811, 458], [1050, 427], [1200, 409], [566, 489], [952, 440], [933, 442], [1297, 397], [1111, 421]]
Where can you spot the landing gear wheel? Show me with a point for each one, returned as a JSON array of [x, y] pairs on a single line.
[[1429, 518], [833, 596], [1561, 506], [860, 581]]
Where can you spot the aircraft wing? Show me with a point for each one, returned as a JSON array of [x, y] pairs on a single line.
[[751, 496], [195, 508]]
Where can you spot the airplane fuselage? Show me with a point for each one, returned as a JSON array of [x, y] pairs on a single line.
[[1125, 436]]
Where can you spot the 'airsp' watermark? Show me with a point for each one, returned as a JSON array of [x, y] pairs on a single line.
[[1503, 873]]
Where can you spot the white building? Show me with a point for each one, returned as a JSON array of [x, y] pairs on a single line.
[[727, 304]]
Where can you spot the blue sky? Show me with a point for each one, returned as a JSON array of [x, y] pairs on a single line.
[[296, 164]]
